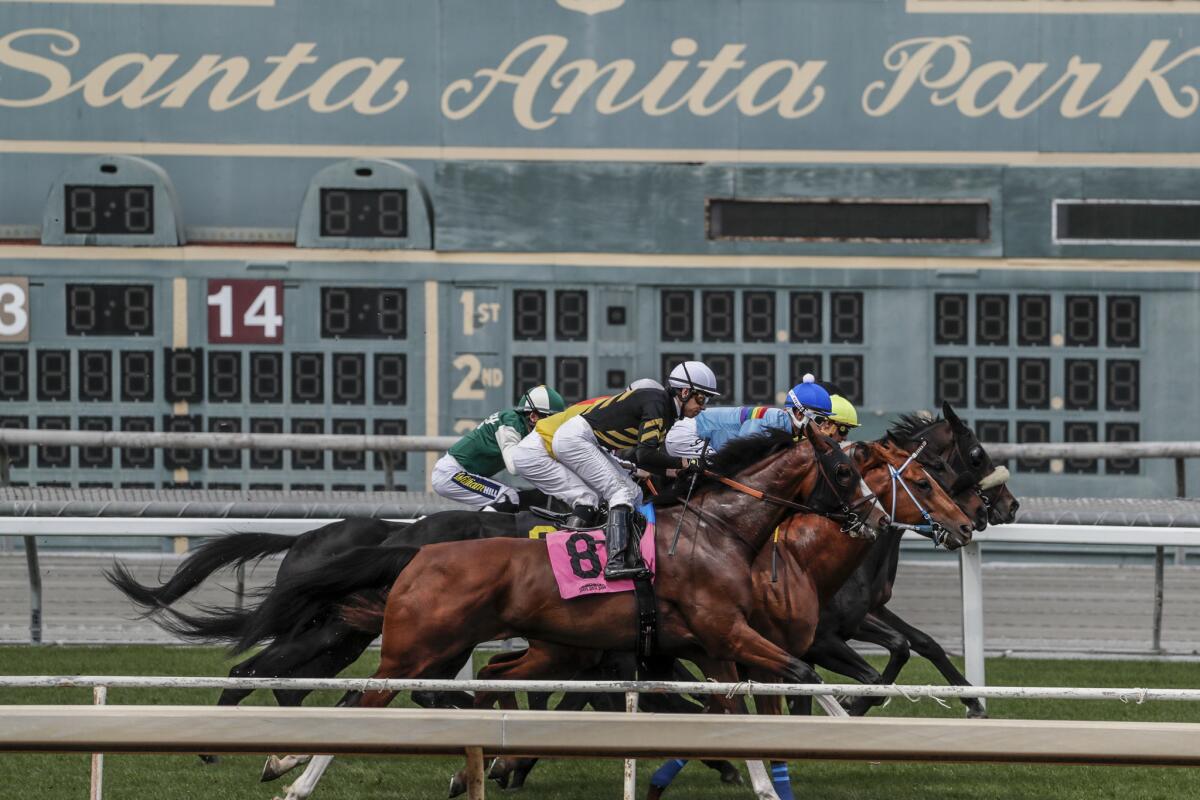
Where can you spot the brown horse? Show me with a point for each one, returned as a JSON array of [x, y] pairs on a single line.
[[452, 596], [811, 559]]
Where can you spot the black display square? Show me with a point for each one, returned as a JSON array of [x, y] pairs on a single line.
[[364, 213], [180, 458], [1031, 432], [266, 459], [391, 427], [616, 315], [225, 459], [308, 459], [127, 210], [137, 457], [18, 455], [1080, 433], [95, 457], [14, 375], [53, 375], [348, 459]]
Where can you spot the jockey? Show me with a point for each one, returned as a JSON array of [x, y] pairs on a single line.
[[535, 462], [844, 417], [464, 473], [635, 424], [714, 427]]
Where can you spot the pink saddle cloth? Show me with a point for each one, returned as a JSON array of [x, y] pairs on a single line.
[[578, 558]]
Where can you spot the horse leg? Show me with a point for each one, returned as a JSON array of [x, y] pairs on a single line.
[[833, 653], [543, 661], [231, 697], [926, 647], [320, 652], [873, 631]]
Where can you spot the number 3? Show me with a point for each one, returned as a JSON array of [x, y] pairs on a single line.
[[14, 311]]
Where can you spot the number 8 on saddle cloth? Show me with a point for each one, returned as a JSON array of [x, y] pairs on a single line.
[[578, 558]]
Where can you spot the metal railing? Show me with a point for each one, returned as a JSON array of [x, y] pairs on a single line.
[[612, 735], [387, 445]]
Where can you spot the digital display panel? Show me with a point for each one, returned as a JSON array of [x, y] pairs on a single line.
[[676, 316], [758, 379], [224, 376], [108, 210], [950, 381], [137, 457], [266, 377], [1033, 320], [950, 315], [571, 377], [364, 213], [758, 316], [846, 317], [14, 375], [716, 316], [349, 378], [53, 375], [529, 315], [110, 309], [991, 319], [137, 376], [391, 379], [1083, 320], [570, 315], [846, 372], [528, 372], [95, 376], [806, 317], [363, 312]]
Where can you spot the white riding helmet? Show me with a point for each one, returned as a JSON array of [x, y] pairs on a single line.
[[694, 375], [644, 383]]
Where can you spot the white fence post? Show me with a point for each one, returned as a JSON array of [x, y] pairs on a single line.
[[630, 793], [99, 697], [970, 566]]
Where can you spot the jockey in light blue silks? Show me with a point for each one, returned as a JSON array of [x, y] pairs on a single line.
[[807, 402]]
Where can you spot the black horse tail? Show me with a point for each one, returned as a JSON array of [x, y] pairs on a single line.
[[231, 550], [312, 595]]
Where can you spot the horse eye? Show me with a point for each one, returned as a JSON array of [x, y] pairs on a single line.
[[976, 455], [924, 485], [843, 474]]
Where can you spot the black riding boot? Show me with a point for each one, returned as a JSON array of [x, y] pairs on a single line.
[[624, 561], [583, 516]]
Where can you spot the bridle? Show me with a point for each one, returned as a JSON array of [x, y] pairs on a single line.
[[846, 514], [931, 529]]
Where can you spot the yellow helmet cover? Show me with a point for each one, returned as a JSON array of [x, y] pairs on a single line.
[[843, 411]]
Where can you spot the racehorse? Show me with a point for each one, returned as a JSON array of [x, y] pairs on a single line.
[[452, 596], [792, 579], [858, 610]]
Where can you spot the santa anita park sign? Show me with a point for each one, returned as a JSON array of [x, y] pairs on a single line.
[[656, 74]]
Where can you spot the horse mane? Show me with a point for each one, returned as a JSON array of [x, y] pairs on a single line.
[[909, 427], [744, 451]]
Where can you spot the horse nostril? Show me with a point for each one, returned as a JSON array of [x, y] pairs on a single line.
[[965, 530]]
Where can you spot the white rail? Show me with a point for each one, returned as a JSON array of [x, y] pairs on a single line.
[[971, 567], [742, 688]]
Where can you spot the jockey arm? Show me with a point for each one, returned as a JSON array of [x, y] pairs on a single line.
[[508, 438]]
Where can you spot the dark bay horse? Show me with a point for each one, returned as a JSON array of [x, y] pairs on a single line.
[[859, 609]]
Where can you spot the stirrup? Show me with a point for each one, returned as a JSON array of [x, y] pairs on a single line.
[[565, 520]]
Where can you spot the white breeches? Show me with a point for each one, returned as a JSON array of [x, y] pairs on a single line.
[[451, 481], [577, 448], [538, 467]]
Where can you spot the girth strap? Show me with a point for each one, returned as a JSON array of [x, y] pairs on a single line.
[[647, 620]]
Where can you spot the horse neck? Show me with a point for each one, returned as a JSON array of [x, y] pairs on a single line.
[[825, 554], [750, 521]]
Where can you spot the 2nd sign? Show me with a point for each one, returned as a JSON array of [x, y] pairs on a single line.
[[245, 312]]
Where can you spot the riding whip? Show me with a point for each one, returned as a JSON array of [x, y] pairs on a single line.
[[686, 500]]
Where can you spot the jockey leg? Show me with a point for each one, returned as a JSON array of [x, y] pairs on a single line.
[[451, 481], [535, 464], [577, 448]]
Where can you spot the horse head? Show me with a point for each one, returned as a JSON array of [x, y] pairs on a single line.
[[904, 485], [990, 480], [841, 494]]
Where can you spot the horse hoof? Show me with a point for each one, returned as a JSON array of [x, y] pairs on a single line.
[[458, 786], [731, 777], [976, 714], [517, 780], [207, 759], [272, 770]]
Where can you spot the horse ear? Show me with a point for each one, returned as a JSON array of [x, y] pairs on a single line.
[[948, 413], [819, 442]]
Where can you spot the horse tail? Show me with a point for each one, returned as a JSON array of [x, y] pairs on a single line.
[[234, 549], [306, 596]]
